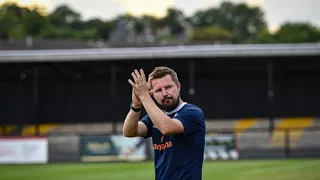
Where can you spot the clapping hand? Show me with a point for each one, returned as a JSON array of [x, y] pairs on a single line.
[[140, 85]]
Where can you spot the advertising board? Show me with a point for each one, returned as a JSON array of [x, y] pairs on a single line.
[[220, 147], [97, 148], [23, 150]]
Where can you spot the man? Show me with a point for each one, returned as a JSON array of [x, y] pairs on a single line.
[[177, 128]]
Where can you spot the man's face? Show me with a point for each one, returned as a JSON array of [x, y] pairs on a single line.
[[166, 92]]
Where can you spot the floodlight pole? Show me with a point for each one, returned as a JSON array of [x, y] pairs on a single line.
[[36, 98], [113, 94], [191, 81], [270, 69]]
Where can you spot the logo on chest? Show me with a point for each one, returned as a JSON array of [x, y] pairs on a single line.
[[163, 145]]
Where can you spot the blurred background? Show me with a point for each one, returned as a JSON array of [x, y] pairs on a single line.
[[252, 66]]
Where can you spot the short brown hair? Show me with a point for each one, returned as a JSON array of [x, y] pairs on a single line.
[[162, 71]]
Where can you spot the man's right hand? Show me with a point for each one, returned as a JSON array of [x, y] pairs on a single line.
[[136, 102], [132, 127]]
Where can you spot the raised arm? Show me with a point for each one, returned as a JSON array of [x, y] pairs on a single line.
[[165, 124], [132, 127]]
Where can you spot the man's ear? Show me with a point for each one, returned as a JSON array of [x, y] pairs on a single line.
[[149, 82], [179, 86], [151, 92]]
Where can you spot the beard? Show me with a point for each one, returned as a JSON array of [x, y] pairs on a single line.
[[172, 105]]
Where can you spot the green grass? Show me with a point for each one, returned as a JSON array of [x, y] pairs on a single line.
[[294, 169]]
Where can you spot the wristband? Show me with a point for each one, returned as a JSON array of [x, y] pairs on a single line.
[[135, 109]]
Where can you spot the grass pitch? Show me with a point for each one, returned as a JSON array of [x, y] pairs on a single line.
[[293, 169]]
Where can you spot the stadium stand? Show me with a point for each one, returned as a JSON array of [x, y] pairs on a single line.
[[246, 127], [298, 124], [252, 133]]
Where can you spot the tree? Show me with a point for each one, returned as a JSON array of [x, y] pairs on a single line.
[[14, 9], [243, 21], [87, 34], [63, 16], [238, 23], [7, 22], [211, 34], [10, 15], [102, 29], [33, 23], [151, 21], [291, 32], [137, 22], [105, 29], [297, 33], [175, 20], [263, 37]]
